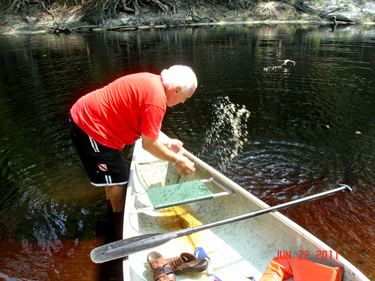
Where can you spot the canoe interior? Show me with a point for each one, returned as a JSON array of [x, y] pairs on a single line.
[[237, 250]]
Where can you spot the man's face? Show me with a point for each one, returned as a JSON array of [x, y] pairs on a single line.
[[178, 97]]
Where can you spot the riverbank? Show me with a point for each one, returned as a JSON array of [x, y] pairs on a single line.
[[75, 19]]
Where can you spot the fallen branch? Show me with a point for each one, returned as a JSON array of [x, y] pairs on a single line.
[[303, 7], [62, 30], [89, 27], [322, 14]]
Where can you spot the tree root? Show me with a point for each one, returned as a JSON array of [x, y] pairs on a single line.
[[16, 6], [126, 8], [48, 11], [194, 15], [162, 6]]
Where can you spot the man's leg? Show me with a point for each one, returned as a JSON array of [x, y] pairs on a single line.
[[113, 270], [116, 194], [104, 165]]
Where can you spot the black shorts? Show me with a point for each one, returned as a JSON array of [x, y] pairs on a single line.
[[104, 166]]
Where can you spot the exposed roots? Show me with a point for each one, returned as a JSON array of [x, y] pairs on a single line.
[[99, 10], [162, 6], [17, 5]]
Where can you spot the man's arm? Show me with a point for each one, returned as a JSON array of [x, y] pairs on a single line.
[[182, 164]]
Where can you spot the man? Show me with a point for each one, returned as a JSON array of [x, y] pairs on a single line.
[[102, 122]]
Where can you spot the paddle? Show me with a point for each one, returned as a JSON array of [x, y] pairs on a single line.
[[125, 247]]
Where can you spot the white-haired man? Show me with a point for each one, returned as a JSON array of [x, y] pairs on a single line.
[[102, 122]]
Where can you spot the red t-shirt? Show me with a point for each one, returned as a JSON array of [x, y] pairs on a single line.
[[120, 112]]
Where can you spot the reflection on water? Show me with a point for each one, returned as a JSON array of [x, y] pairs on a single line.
[[280, 134]]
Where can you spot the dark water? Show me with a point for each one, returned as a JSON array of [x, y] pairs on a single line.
[[281, 134]]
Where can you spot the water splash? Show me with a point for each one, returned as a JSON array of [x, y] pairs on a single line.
[[227, 133]]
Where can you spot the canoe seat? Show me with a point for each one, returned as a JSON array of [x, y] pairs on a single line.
[[181, 193]]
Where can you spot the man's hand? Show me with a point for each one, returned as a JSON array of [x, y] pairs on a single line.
[[176, 146], [182, 164]]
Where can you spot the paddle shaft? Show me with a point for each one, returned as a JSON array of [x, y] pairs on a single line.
[[125, 247], [191, 230]]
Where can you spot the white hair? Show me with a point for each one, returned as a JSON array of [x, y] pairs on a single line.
[[179, 76]]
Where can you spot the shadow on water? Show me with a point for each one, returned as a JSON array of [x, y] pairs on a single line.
[[281, 134]]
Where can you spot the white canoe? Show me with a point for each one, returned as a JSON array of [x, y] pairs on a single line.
[[237, 250]]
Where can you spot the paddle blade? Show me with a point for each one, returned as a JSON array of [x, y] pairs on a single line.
[[122, 248]]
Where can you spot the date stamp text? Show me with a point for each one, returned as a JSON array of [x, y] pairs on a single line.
[[318, 255]]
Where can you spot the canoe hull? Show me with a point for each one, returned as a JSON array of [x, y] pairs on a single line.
[[237, 250]]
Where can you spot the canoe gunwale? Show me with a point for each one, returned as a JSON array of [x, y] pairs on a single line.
[[135, 177]]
